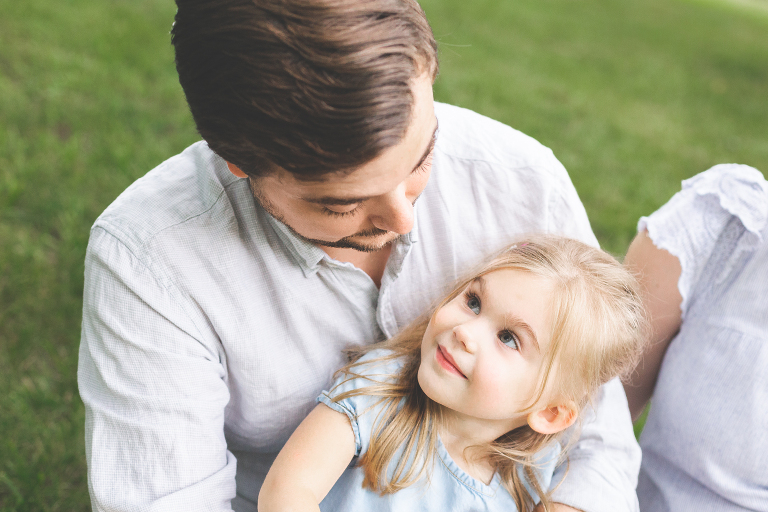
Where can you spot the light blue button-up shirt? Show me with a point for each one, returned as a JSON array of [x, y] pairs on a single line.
[[209, 329]]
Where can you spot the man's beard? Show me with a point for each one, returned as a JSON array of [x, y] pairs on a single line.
[[347, 242]]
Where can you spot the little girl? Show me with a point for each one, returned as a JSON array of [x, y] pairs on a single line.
[[464, 409]]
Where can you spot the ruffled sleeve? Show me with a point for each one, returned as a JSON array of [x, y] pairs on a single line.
[[689, 225], [362, 410]]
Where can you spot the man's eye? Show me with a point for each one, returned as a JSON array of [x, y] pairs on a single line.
[[341, 211], [508, 338], [425, 165], [473, 303]]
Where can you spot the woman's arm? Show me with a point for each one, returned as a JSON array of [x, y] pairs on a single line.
[[309, 464], [658, 272]]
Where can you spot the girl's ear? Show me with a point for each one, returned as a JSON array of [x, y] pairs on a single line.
[[554, 418], [236, 170]]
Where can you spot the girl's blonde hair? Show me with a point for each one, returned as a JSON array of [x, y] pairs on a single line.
[[599, 327]]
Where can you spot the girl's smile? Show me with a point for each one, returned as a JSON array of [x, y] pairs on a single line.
[[446, 361]]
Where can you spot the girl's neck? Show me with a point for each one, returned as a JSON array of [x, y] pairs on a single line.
[[466, 438]]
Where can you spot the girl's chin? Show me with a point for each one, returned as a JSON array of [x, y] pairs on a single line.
[[428, 387]]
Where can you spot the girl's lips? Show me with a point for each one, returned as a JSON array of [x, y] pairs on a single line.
[[446, 361]]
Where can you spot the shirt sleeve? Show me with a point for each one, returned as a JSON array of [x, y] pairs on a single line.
[[361, 409], [154, 392], [689, 225], [600, 472]]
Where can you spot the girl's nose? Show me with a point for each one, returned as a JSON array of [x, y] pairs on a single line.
[[465, 337]]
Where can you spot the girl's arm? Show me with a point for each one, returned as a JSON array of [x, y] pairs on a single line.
[[309, 464], [658, 272]]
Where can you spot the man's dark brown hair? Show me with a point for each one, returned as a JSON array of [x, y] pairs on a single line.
[[311, 86]]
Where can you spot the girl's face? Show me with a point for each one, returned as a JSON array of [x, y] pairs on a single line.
[[482, 352]]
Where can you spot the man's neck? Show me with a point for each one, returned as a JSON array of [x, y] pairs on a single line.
[[372, 263]]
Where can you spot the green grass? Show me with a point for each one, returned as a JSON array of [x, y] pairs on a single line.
[[631, 96], [89, 101]]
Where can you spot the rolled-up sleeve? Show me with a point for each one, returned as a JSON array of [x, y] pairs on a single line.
[[154, 391]]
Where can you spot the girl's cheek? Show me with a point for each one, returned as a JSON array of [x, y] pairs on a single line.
[[489, 390], [440, 317]]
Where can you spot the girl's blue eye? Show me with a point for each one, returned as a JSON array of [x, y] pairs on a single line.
[[473, 303], [509, 339]]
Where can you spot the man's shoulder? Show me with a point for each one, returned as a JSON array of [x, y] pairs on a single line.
[[490, 184], [182, 188], [469, 136]]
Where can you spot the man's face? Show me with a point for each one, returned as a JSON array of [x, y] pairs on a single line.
[[369, 207]]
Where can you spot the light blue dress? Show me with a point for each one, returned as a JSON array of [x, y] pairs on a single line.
[[705, 444], [449, 487]]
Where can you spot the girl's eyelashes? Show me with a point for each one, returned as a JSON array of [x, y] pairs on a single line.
[[473, 302], [509, 338]]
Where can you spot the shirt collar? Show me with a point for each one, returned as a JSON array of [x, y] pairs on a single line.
[[309, 255], [306, 254]]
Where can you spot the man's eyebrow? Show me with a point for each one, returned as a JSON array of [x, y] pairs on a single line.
[[339, 201], [430, 147], [335, 201]]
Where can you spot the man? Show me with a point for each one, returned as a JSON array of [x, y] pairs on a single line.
[[222, 287]]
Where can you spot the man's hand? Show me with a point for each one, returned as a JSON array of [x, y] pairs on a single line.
[[558, 507]]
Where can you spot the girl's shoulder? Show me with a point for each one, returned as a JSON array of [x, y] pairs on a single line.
[[359, 393], [379, 366]]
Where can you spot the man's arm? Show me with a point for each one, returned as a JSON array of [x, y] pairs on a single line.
[[601, 472], [154, 392], [309, 464]]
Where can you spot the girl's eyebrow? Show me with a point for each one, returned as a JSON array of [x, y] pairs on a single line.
[[511, 319], [518, 322], [480, 280]]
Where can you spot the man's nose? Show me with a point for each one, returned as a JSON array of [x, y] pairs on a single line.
[[394, 212], [466, 337]]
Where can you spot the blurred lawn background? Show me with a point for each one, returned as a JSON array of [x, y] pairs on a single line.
[[632, 97]]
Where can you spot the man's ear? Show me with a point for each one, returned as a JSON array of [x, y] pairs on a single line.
[[553, 418], [236, 170]]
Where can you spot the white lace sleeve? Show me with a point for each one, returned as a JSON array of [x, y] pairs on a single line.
[[689, 225]]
